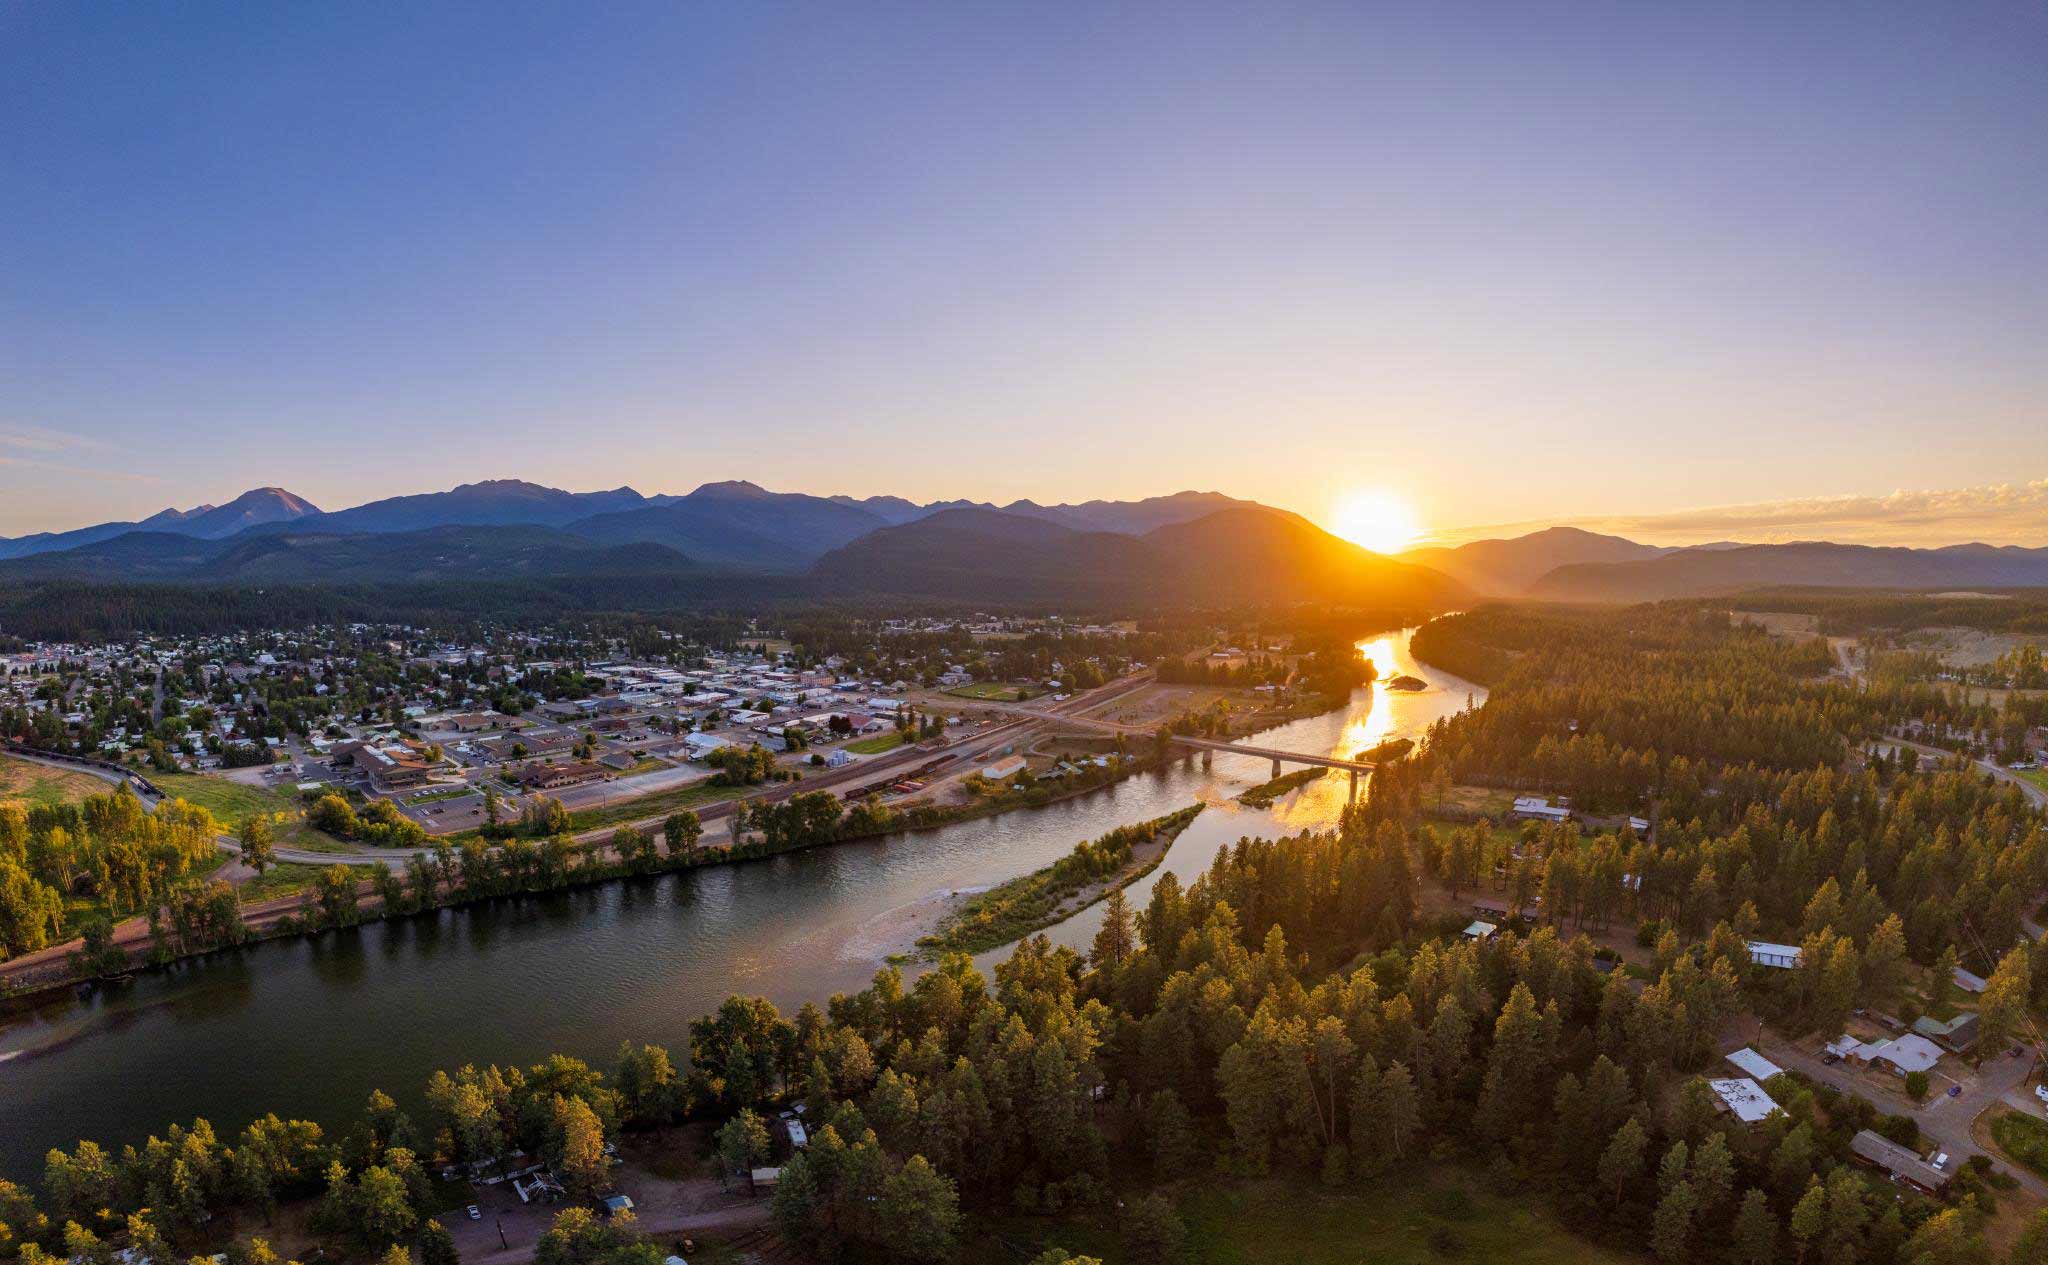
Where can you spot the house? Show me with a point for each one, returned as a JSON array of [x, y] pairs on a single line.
[[1783, 957], [1957, 1034], [1970, 983], [766, 1178], [1004, 769], [1756, 1065], [1904, 1055], [701, 745], [1901, 1164], [1744, 1099], [1477, 930], [1536, 808]]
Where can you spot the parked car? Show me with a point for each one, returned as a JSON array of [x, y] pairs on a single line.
[[475, 1213]]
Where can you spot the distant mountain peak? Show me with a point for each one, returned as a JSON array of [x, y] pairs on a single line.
[[733, 488]]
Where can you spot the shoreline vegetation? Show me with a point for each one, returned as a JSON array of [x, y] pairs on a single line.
[[1010, 911], [467, 869], [1265, 794]]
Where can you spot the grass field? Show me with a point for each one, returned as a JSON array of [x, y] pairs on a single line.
[[2038, 777], [287, 878], [995, 692], [39, 785], [878, 744], [1445, 1215], [233, 802], [2023, 1138]]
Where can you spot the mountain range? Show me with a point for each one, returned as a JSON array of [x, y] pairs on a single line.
[[1189, 547]]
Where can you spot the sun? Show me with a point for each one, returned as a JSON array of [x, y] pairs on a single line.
[[1376, 520]]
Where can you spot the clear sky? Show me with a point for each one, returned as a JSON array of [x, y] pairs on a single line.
[[1511, 262]]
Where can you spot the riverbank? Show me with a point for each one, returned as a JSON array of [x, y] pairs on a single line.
[[1032, 902], [310, 912]]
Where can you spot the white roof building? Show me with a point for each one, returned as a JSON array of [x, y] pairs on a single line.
[[1744, 1099], [1910, 1053], [1784, 957], [1754, 1064]]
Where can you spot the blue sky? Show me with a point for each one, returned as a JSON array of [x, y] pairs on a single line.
[[1512, 262]]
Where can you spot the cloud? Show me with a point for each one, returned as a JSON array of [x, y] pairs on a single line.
[[1999, 514], [40, 440]]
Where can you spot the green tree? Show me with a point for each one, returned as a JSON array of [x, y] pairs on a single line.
[[743, 1142], [680, 832], [920, 1213], [258, 841], [1622, 1161], [1154, 1232], [437, 1246], [1754, 1239]]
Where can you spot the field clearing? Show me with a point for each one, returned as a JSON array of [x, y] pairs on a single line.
[[657, 804], [1781, 623], [996, 692], [1489, 802], [879, 743], [286, 878], [1444, 1215], [1969, 647], [234, 802], [40, 786], [2039, 777]]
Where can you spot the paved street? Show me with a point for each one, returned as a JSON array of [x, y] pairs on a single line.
[[1944, 1120]]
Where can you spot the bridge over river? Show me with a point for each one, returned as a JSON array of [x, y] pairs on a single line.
[[1206, 745]]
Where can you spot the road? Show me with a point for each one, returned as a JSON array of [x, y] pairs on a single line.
[[2035, 795], [1945, 1121]]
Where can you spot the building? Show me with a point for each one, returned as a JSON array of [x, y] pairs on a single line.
[[1744, 1099], [1535, 808], [1754, 1065], [1477, 930], [1902, 1165], [1783, 957], [1956, 1035], [1004, 769], [1910, 1053], [1970, 983], [548, 777]]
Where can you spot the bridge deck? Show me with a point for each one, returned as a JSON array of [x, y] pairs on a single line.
[[1202, 744]]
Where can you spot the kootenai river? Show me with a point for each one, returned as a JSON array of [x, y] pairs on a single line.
[[307, 1027]]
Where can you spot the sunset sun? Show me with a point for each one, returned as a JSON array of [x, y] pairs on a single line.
[[1377, 520]]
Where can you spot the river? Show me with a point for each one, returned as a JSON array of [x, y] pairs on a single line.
[[307, 1027]]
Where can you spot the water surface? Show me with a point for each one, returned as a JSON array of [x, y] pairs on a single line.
[[308, 1027]]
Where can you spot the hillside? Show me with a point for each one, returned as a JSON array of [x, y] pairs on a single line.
[[467, 553], [1707, 572], [491, 502], [739, 526], [1507, 567], [1230, 556]]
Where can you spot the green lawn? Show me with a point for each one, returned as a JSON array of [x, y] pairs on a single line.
[[41, 786], [286, 878], [2024, 1138], [234, 802], [879, 743], [2038, 777], [1442, 1215], [995, 692]]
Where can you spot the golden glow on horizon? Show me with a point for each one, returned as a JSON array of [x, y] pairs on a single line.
[[1377, 520]]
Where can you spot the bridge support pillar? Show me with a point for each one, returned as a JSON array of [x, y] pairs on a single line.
[[1208, 759], [1354, 786], [1276, 768]]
